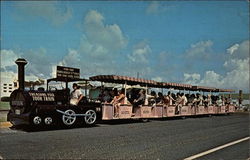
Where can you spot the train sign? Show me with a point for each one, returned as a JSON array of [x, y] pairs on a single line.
[[67, 72]]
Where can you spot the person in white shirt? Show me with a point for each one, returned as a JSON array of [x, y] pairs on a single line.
[[209, 100], [219, 101], [76, 95], [184, 99], [169, 99]]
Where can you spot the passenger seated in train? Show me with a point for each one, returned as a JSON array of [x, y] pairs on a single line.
[[106, 96], [141, 98], [199, 101], [191, 100], [152, 101], [228, 100], [214, 99], [132, 94], [118, 100], [219, 101], [159, 98], [209, 100], [168, 100], [188, 99], [178, 103], [184, 99], [205, 101], [76, 95], [223, 100]]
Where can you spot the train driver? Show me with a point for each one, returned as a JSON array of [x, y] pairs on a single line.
[[76, 95]]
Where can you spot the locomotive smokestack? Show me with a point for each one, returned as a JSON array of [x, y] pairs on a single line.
[[21, 63]]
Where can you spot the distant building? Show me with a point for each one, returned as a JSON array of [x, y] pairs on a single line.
[[8, 86]]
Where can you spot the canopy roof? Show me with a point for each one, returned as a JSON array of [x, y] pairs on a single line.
[[204, 88], [123, 80], [66, 79], [152, 83], [174, 85], [224, 90]]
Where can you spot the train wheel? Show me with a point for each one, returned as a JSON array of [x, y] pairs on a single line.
[[90, 119], [48, 120], [69, 119], [37, 120]]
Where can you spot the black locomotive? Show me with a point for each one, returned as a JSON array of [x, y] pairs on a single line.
[[40, 107]]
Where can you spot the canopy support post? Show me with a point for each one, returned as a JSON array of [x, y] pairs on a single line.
[[125, 86], [86, 83]]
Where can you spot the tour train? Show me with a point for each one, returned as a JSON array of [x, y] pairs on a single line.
[[40, 107]]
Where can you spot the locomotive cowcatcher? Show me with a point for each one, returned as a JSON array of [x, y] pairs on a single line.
[[40, 107]]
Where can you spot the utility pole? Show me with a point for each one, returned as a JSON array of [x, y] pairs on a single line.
[[240, 97]]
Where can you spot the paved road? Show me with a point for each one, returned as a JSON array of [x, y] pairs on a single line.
[[157, 139], [3, 115]]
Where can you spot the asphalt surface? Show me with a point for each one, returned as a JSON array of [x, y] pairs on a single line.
[[3, 115], [158, 139]]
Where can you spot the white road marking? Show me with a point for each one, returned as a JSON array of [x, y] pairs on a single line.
[[216, 149], [1, 157]]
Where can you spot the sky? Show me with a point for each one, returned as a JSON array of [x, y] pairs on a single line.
[[200, 43]]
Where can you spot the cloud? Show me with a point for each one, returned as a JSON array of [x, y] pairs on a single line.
[[48, 10], [39, 62], [239, 51], [212, 78], [153, 7], [103, 36], [99, 47], [140, 53], [5, 76], [156, 7], [97, 51], [8, 58], [158, 79], [199, 50], [9, 75], [72, 59], [192, 78], [101, 50], [237, 75], [232, 49]]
